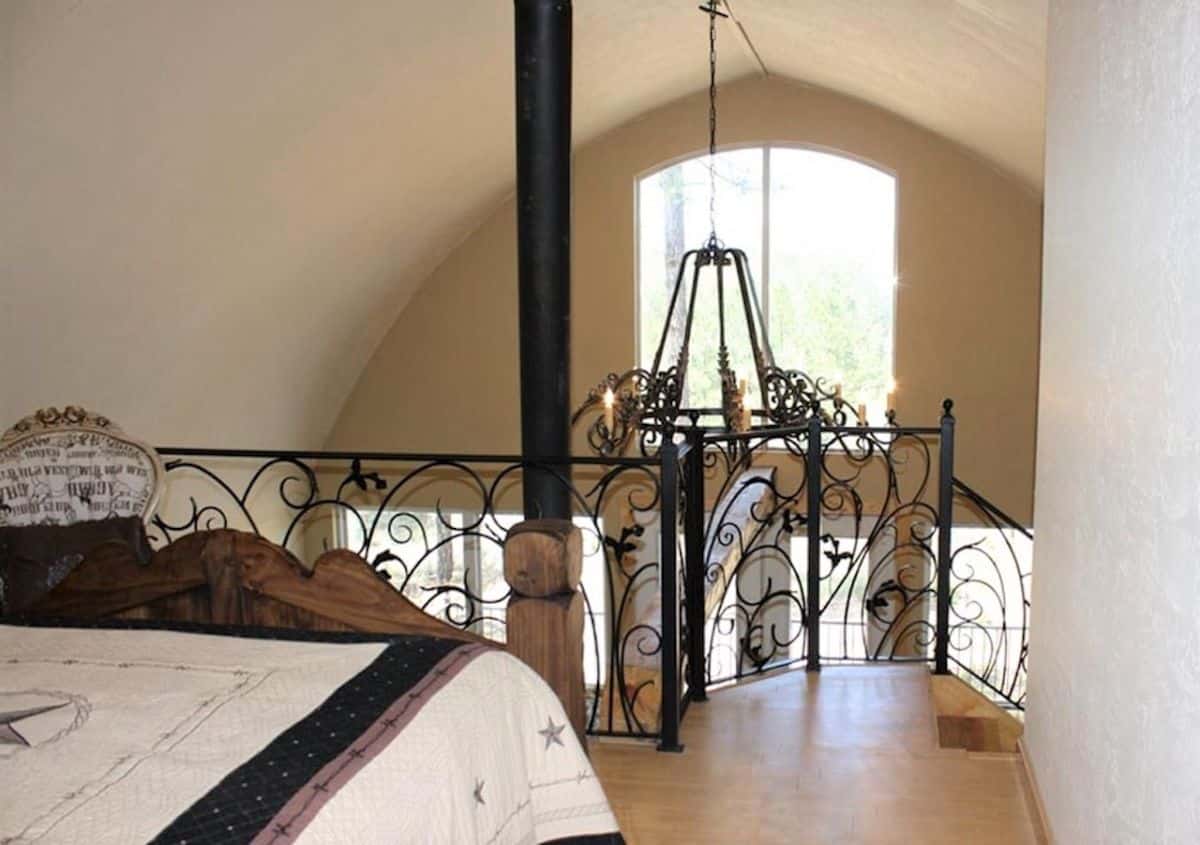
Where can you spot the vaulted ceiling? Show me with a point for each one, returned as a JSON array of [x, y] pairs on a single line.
[[213, 211]]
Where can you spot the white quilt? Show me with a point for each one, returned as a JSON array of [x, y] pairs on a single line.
[[125, 736]]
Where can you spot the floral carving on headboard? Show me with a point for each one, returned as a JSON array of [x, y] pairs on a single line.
[[72, 416], [61, 467]]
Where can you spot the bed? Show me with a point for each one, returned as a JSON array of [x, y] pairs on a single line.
[[219, 691]]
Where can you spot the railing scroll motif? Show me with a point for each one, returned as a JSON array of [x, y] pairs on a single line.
[[433, 525]]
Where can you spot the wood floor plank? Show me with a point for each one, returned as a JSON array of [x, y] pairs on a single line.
[[848, 755]]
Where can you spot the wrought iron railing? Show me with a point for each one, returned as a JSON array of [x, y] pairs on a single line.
[[991, 571], [839, 570], [888, 557], [711, 560], [433, 525]]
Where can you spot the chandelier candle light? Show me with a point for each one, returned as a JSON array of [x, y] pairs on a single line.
[[648, 403]]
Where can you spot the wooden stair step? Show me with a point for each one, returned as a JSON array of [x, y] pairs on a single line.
[[969, 732]]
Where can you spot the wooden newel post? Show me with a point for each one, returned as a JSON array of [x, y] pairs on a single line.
[[543, 564]]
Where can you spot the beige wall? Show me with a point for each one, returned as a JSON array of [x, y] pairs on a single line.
[[969, 252]]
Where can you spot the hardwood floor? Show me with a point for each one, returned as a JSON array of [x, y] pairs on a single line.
[[846, 756]]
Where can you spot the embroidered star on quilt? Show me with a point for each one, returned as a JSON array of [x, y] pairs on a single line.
[[551, 733], [9, 734]]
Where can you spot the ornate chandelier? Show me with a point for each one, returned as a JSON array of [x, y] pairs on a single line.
[[647, 405]]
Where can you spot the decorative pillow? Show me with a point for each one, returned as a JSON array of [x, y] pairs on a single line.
[[34, 559], [62, 467]]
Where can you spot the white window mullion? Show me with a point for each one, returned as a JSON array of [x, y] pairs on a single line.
[[765, 285], [472, 558]]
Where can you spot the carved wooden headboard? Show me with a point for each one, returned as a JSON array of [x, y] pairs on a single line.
[[228, 577], [70, 466]]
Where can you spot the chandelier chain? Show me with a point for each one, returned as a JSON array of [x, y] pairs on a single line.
[[712, 120]]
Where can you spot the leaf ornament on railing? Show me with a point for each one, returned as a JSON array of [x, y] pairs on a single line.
[[836, 556], [878, 602], [385, 557], [793, 520], [360, 478], [623, 546]]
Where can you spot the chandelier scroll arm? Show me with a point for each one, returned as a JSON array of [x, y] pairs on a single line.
[[752, 287], [685, 345], [666, 332], [760, 346]]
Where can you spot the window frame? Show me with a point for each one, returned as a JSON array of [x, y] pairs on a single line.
[[765, 147]]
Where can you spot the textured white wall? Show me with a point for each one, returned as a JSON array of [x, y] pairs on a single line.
[[1114, 715]]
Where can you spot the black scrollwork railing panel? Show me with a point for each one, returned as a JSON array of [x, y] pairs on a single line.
[[434, 528], [684, 503], [990, 578], [628, 702], [753, 567], [878, 548], [876, 554]]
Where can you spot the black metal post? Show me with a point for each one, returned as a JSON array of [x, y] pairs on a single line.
[[543, 118], [813, 484], [668, 567], [693, 590], [941, 648]]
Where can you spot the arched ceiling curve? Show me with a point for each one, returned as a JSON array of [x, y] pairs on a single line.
[[213, 211]]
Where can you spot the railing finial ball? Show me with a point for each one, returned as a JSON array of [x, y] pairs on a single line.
[[947, 407]]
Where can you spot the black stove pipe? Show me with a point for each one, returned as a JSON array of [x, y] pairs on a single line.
[[543, 119]]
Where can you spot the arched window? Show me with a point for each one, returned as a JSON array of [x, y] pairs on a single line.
[[820, 232]]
